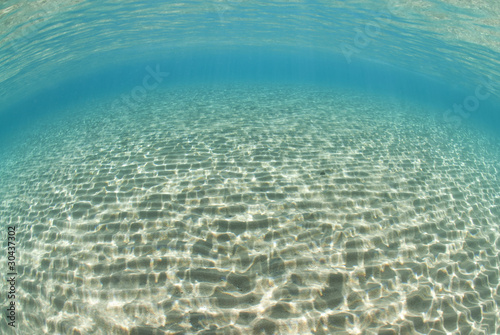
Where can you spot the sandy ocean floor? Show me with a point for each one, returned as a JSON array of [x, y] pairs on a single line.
[[254, 210]]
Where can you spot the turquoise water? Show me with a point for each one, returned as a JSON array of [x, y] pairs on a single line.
[[239, 167]]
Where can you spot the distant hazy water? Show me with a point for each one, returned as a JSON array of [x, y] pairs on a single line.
[[254, 209]]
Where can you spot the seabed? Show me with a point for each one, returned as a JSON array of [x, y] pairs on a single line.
[[254, 210]]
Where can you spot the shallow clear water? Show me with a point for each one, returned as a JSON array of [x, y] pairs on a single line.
[[238, 167]]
